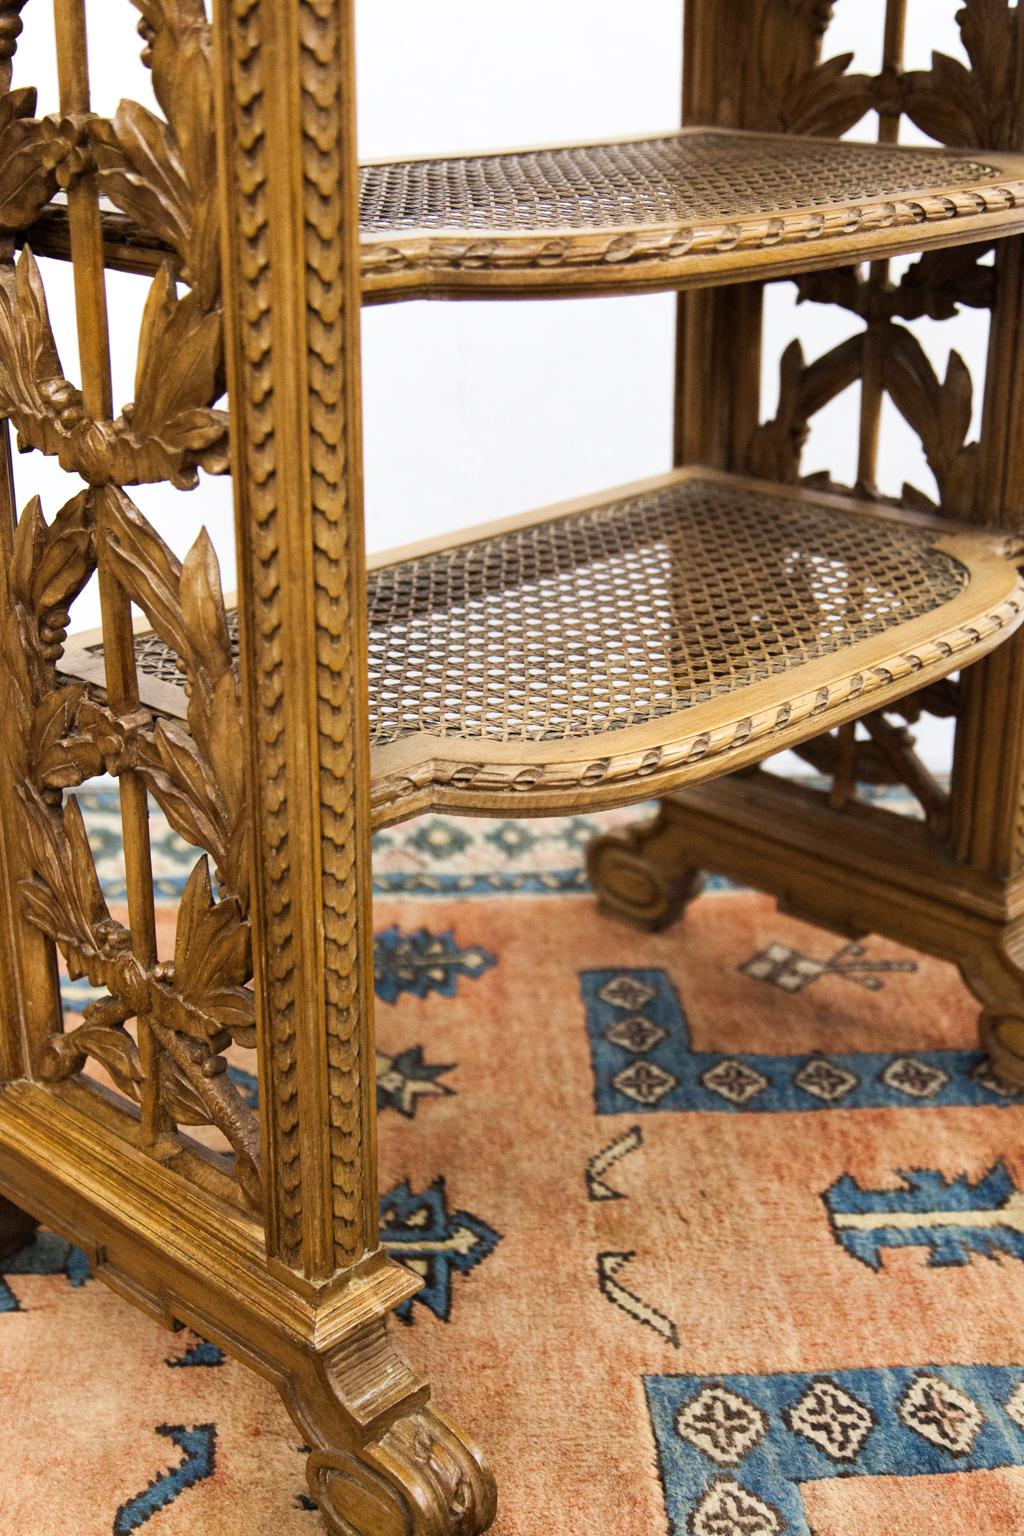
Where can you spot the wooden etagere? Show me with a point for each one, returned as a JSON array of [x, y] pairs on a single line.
[[649, 641]]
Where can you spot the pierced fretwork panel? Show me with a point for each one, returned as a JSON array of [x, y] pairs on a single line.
[[883, 370], [160, 1023]]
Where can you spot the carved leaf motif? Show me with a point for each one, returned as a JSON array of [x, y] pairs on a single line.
[[49, 414], [970, 107], [144, 565], [32, 380], [114, 1049], [180, 1099], [196, 774], [64, 898], [163, 175], [204, 614], [939, 281], [49, 567], [179, 372], [66, 558], [62, 755], [185, 788], [940, 414], [827, 101], [29, 538], [776, 446], [29, 153], [211, 955], [140, 171]]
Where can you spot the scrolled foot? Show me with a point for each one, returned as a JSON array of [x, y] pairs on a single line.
[[382, 1463], [16, 1228], [420, 1478], [641, 877]]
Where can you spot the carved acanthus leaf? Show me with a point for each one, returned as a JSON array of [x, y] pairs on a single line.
[[826, 100], [970, 106], [63, 896], [50, 565], [787, 89], [212, 957], [933, 286], [163, 173], [106, 1041]]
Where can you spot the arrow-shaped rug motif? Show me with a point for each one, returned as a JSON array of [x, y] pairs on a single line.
[[953, 1219]]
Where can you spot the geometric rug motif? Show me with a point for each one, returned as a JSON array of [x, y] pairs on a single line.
[[403, 1080], [734, 1450], [952, 1218], [782, 966], [643, 1062], [667, 1338], [198, 1447], [435, 1243]]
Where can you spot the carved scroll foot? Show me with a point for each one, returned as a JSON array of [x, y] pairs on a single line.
[[383, 1463], [641, 875], [16, 1228], [419, 1479]]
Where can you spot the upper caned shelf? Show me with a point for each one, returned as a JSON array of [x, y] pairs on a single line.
[[617, 647], [676, 210]]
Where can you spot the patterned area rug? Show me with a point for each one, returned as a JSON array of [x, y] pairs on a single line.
[[721, 1233]]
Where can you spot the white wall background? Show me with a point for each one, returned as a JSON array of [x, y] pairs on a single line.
[[475, 410]]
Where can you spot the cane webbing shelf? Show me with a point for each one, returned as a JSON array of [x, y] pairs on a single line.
[[668, 211], [647, 638]]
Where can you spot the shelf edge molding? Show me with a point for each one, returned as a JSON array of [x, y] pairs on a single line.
[[878, 201], [701, 696]]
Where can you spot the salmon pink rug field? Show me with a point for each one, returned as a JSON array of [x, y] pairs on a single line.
[[721, 1233]]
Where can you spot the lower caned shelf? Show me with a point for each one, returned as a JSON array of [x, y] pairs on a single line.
[[620, 646]]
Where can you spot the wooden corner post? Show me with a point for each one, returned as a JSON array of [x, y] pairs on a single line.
[[289, 195]]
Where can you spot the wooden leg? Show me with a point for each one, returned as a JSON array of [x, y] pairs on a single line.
[[16, 1228], [640, 875], [995, 974], [383, 1463]]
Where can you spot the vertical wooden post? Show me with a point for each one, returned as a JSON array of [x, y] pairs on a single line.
[[30, 1010], [290, 240], [291, 277], [119, 655], [718, 330], [872, 392], [988, 770]]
